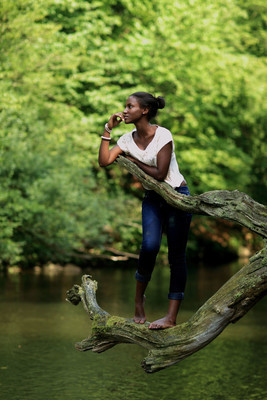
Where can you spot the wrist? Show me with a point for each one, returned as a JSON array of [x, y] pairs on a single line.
[[107, 128], [106, 138]]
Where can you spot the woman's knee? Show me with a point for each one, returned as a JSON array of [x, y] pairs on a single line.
[[177, 259], [150, 247]]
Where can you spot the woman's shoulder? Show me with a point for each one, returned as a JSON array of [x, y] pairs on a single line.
[[163, 130], [128, 134], [164, 133], [125, 140]]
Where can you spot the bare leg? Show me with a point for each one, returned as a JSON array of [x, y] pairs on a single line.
[[139, 314], [170, 318]]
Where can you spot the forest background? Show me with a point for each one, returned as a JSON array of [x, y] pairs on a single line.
[[66, 66]]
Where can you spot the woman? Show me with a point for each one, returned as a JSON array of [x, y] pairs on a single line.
[[151, 147]]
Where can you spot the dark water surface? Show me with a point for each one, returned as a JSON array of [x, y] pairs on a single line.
[[38, 329]]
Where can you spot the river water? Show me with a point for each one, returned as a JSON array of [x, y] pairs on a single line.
[[38, 330]]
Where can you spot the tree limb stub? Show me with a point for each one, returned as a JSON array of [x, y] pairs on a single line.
[[230, 303]]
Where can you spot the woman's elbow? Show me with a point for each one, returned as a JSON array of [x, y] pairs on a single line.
[[161, 176], [102, 163]]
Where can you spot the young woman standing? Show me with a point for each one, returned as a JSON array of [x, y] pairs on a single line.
[[151, 147]]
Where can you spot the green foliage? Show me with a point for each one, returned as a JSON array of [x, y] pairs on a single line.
[[66, 65]]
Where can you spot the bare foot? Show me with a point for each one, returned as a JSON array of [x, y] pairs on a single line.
[[162, 323], [139, 314]]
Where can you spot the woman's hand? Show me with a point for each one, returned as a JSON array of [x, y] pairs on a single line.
[[115, 120], [130, 158], [107, 156]]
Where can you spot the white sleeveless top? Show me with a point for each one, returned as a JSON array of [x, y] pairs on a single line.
[[149, 155]]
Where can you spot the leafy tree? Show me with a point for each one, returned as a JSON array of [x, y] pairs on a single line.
[[66, 65]]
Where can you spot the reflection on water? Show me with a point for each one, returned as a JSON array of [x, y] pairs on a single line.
[[38, 330]]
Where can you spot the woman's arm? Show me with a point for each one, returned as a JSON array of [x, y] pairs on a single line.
[[108, 156], [163, 162]]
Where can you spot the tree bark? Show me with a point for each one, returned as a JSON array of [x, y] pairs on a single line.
[[230, 303], [231, 205]]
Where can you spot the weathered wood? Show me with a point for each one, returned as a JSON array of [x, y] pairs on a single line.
[[231, 205], [167, 347], [228, 304]]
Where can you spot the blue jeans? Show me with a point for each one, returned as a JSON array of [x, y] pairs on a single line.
[[158, 215]]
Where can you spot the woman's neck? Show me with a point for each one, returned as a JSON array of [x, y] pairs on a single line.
[[144, 128]]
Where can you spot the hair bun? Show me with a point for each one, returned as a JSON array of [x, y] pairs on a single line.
[[161, 102]]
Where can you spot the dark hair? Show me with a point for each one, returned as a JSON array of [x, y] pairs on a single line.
[[151, 102]]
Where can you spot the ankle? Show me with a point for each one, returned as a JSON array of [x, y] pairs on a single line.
[[173, 310], [171, 318]]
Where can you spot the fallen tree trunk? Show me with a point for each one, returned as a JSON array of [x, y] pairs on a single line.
[[228, 304]]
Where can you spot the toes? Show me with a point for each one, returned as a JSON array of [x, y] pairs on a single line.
[[161, 324], [153, 326], [139, 320]]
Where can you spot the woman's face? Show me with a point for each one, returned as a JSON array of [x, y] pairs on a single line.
[[133, 112]]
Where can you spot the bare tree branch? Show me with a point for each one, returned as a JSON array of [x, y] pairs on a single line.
[[231, 205]]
